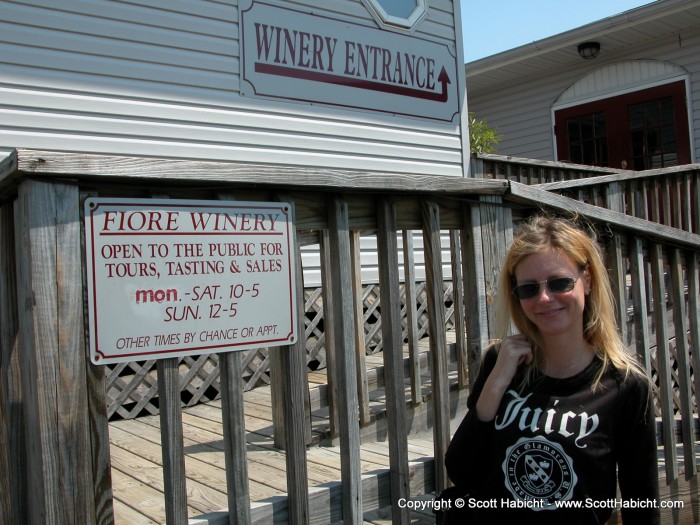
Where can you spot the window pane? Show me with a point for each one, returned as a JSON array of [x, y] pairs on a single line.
[[602, 152], [653, 145], [666, 109], [653, 134], [670, 159], [587, 128], [573, 130], [599, 124], [636, 116], [651, 114], [587, 136], [398, 8], [575, 154], [638, 143], [668, 138]]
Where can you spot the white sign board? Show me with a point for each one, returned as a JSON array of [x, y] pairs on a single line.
[[167, 278], [297, 55]]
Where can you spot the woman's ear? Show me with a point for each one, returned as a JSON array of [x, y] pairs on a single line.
[[586, 277]]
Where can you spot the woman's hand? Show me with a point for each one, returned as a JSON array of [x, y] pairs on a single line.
[[513, 352]]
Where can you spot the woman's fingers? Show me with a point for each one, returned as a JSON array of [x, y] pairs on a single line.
[[514, 351]]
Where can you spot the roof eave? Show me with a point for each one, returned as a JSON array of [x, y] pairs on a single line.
[[649, 12]]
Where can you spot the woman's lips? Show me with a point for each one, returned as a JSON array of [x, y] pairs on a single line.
[[550, 313]]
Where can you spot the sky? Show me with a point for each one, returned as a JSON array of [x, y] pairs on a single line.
[[492, 26]]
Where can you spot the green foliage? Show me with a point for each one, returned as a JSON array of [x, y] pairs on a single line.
[[482, 138]]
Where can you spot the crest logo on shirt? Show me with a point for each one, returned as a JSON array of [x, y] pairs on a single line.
[[538, 469]]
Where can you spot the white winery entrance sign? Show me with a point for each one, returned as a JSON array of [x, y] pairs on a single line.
[[168, 278], [297, 55]]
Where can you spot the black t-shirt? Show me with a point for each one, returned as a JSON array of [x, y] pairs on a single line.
[[556, 450]]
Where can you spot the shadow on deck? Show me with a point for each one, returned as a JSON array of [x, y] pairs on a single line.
[[137, 473]]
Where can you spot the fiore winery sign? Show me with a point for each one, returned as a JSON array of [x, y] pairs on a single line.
[[169, 277], [295, 55]]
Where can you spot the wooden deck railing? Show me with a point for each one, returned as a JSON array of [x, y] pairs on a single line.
[[669, 196], [54, 446], [531, 171]]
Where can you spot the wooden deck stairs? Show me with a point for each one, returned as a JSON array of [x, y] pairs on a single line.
[[137, 472]]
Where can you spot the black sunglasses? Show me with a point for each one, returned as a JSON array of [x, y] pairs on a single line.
[[556, 285]]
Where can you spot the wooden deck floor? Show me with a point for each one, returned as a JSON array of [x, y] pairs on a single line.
[[138, 480]]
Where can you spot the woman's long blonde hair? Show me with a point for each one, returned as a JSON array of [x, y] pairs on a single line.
[[540, 234]]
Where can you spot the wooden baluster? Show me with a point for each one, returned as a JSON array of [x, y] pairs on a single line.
[[459, 313], [296, 418], [360, 348], [640, 305], [344, 312], [680, 324], [474, 293], [393, 360], [233, 428], [329, 333], [663, 362], [411, 317], [438, 345]]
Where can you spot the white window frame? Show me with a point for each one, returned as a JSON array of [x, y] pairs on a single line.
[[396, 23]]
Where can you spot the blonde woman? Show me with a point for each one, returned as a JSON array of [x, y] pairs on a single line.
[[560, 412]]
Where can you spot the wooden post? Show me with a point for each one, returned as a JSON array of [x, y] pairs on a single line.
[[614, 202], [695, 203], [663, 364], [339, 237], [686, 202], [693, 269], [388, 252], [233, 428], [233, 422], [172, 447], [13, 506], [99, 422], [171, 435], [496, 236], [52, 346], [361, 363], [279, 373], [639, 303], [684, 388], [295, 392], [458, 308], [6, 512], [438, 345], [474, 292], [329, 333], [411, 317]]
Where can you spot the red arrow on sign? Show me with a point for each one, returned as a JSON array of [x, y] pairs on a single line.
[[305, 74]]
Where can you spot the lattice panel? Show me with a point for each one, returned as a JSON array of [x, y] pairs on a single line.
[[313, 329], [256, 368], [132, 388], [199, 377]]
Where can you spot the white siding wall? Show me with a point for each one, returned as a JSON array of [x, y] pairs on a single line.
[[522, 111], [161, 78]]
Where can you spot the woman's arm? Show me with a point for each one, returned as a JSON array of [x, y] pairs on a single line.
[[513, 352], [469, 450]]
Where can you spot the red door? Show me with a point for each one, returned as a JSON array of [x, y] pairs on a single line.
[[641, 130]]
